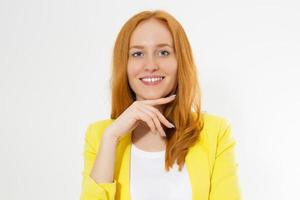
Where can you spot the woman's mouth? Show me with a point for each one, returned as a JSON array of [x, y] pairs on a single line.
[[152, 81]]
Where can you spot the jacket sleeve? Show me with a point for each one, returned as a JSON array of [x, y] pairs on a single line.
[[90, 190], [224, 179]]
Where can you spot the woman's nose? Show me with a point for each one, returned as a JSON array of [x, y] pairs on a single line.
[[150, 63]]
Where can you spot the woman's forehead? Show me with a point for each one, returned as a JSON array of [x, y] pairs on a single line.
[[158, 45], [151, 33]]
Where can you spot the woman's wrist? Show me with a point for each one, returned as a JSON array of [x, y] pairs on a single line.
[[108, 135]]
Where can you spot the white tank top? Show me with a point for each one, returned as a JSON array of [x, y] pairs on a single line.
[[149, 180]]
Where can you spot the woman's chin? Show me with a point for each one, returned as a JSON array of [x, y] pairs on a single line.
[[150, 97]]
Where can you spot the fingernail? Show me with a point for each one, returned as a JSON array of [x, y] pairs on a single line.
[[172, 125]]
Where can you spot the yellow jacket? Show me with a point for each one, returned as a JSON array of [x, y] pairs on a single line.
[[210, 163]]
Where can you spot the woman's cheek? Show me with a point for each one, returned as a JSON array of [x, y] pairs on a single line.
[[134, 71]]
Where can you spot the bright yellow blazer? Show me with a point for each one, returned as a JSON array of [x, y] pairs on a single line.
[[210, 163]]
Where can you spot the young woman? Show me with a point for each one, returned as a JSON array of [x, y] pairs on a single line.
[[158, 144]]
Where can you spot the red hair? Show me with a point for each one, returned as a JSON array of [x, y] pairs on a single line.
[[185, 111]]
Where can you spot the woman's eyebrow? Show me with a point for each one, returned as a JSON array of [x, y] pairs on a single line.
[[158, 45]]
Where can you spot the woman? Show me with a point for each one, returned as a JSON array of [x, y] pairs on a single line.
[[156, 124]]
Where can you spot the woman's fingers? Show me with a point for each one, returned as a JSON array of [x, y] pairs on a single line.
[[130, 118], [147, 119], [161, 130], [160, 101], [155, 120], [152, 116], [161, 117]]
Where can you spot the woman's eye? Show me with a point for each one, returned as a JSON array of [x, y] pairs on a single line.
[[160, 53], [135, 54], [164, 53]]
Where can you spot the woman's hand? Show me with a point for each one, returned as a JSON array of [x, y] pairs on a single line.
[[144, 111]]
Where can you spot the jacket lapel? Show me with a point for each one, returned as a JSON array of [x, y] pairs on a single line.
[[197, 164]]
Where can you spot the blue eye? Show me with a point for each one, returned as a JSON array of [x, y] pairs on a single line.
[[136, 54], [164, 53]]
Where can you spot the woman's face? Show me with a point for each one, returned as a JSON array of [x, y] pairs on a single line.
[[151, 54]]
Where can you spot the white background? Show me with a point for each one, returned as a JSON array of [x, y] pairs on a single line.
[[55, 59]]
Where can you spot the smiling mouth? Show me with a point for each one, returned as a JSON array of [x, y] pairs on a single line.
[[152, 81]]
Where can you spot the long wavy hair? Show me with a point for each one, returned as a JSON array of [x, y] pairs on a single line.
[[185, 111]]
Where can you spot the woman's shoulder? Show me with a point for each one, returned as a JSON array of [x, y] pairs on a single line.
[[212, 120], [101, 123], [95, 130], [214, 125]]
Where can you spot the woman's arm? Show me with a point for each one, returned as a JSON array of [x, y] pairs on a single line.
[[224, 180], [98, 172], [103, 169], [99, 161]]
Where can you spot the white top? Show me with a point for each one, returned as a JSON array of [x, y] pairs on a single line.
[[149, 180]]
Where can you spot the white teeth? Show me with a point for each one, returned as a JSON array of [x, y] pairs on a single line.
[[152, 79]]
